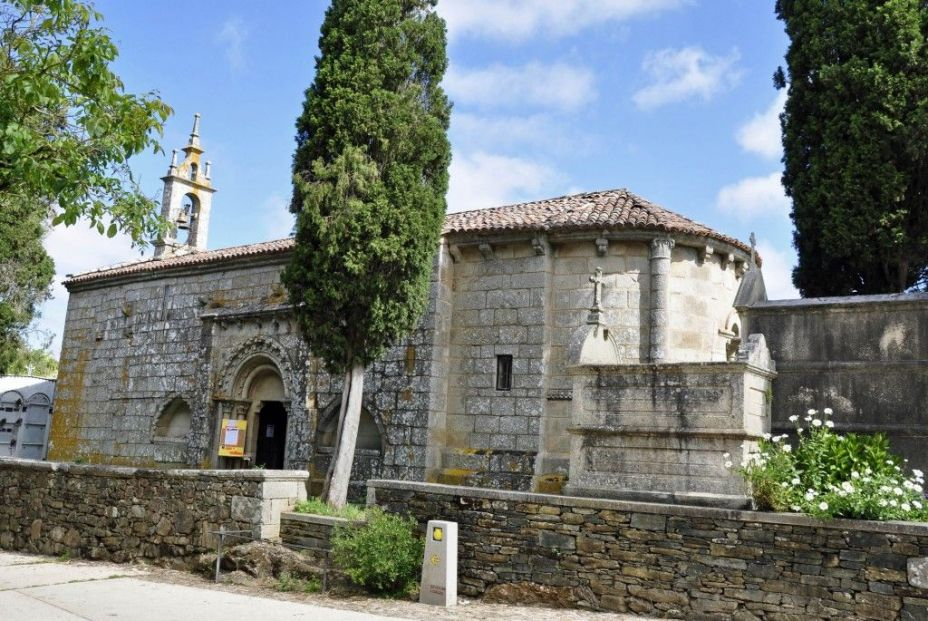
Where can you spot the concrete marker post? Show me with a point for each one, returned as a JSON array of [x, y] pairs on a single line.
[[440, 564]]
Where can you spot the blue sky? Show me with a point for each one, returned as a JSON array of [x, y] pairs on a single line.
[[672, 99]]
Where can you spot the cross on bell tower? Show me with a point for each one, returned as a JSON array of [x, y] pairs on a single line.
[[187, 199]]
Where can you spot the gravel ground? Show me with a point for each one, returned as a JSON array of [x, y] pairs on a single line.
[[467, 609]]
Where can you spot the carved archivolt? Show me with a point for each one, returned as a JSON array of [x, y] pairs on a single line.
[[250, 355]]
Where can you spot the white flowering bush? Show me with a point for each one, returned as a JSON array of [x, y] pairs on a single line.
[[828, 474]]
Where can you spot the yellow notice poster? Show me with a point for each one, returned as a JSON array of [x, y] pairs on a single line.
[[232, 438]]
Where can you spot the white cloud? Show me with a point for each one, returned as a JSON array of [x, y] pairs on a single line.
[[686, 73], [480, 180], [754, 197], [278, 221], [518, 20], [493, 133], [232, 35], [778, 271], [761, 135], [558, 86], [77, 249]]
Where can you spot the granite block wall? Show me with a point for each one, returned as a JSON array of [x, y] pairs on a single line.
[[131, 347], [134, 345], [675, 561], [866, 357], [702, 292], [659, 432]]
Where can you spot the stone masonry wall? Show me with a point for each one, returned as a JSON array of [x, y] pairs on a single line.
[[658, 432], [309, 534], [133, 346], [129, 348], [675, 561], [119, 514], [865, 357], [498, 309], [702, 293], [137, 345]]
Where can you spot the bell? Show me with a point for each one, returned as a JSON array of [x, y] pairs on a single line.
[[183, 221]]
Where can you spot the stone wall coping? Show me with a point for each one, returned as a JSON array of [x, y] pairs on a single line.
[[312, 518], [788, 519], [915, 299], [654, 368], [128, 472], [664, 432]]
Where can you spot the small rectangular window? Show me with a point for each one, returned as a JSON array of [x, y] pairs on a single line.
[[504, 373]]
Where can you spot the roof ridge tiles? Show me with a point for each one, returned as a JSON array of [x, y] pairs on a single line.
[[602, 209]]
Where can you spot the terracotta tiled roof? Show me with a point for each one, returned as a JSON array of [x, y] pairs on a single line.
[[608, 210], [184, 260]]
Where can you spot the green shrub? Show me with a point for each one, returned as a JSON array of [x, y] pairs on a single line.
[[317, 506], [383, 555], [287, 583], [827, 474]]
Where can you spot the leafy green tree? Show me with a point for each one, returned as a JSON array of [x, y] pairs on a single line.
[[855, 137], [35, 361], [370, 177], [67, 128], [26, 271]]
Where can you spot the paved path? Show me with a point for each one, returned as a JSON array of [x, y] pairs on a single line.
[[38, 588], [34, 588]]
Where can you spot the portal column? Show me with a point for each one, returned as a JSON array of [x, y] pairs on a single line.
[[661, 248]]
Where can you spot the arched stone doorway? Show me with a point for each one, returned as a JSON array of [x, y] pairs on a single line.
[[264, 404], [368, 453]]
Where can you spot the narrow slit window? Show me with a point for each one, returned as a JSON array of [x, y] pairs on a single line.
[[504, 373]]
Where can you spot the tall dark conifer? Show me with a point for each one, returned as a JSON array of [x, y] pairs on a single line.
[[370, 178], [855, 137]]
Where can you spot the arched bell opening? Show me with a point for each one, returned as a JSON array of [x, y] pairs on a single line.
[[186, 218]]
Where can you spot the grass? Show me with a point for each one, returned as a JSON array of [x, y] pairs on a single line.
[[317, 506], [287, 583]]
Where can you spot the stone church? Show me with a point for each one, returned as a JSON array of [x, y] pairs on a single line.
[[570, 341]]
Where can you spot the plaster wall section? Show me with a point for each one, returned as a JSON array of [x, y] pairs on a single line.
[[702, 294]]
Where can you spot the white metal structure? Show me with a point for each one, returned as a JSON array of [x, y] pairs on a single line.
[[25, 415]]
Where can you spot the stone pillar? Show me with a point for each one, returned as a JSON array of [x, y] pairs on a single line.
[[661, 247]]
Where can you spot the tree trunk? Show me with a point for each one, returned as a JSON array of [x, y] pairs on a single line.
[[346, 388], [344, 453]]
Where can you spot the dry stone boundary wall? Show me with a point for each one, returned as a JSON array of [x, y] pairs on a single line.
[[120, 514], [677, 561]]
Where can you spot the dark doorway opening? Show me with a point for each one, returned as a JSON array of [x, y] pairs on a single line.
[[272, 436]]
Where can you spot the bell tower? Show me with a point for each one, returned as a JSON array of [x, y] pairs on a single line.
[[187, 199]]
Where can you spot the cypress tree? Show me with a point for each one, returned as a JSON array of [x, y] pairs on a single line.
[[855, 148], [370, 174]]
